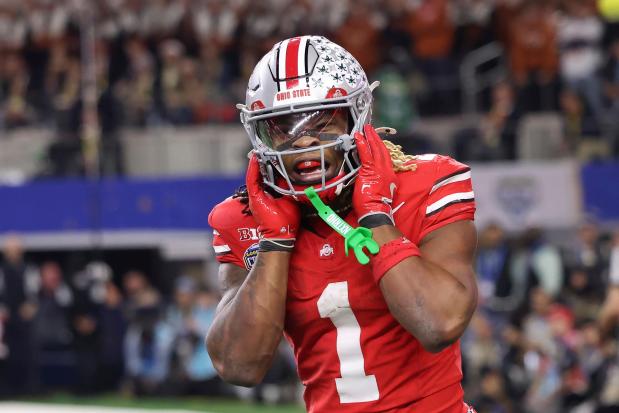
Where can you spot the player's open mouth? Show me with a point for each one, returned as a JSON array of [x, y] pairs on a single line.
[[309, 171]]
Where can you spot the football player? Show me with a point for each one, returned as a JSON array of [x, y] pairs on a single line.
[[381, 337]]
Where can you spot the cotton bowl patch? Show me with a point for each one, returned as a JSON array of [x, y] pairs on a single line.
[[249, 256]]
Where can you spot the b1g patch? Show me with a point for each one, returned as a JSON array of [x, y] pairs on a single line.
[[249, 256]]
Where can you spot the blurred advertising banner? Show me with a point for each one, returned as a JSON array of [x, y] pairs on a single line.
[[166, 213], [526, 194]]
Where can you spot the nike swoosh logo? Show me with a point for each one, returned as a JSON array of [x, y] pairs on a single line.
[[392, 188], [394, 210]]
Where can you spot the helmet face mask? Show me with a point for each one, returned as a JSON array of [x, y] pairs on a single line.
[[297, 90]]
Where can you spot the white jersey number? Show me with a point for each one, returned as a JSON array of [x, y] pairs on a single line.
[[354, 386]]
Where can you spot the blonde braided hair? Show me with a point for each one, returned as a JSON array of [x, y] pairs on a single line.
[[398, 157]]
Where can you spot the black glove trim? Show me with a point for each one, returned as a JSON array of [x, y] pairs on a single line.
[[375, 220], [285, 245]]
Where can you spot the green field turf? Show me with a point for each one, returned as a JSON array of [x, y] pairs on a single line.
[[195, 404]]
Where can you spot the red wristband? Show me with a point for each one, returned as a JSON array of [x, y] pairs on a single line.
[[391, 254]]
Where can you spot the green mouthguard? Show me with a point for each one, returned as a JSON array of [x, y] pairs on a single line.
[[355, 238]]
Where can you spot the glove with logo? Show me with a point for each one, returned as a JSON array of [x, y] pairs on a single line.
[[376, 183], [277, 218]]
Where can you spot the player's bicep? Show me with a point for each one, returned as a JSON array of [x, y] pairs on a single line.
[[231, 277], [452, 247]]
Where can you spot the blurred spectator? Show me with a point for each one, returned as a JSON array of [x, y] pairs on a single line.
[[533, 54], [113, 325], [13, 28], [190, 317], [432, 31], [173, 89], [148, 348], [16, 110], [473, 20], [514, 368], [86, 330], [576, 123], [606, 379], [588, 253], [394, 104], [611, 92], [504, 13], [539, 262], [536, 325], [18, 286], [496, 136], [492, 397], [137, 90], [138, 293], [480, 348], [360, 34], [63, 87], [500, 293], [540, 359], [148, 341], [609, 316], [52, 326], [582, 294], [89, 295], [579, 36]]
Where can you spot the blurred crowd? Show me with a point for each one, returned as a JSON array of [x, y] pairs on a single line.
[[92, 332], [545, 337], [186, 62], [543, 340]]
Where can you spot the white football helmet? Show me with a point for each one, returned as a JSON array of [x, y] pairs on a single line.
[[302, 80]]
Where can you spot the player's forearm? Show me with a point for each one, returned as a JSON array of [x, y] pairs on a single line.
[[428, 301], [248, 327]]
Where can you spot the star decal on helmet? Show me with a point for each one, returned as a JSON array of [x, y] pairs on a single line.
[[340, 66], [351, 79], [327, 58], [337, 77], [355, 71], [318, 82], [323, 69], [341, 56]]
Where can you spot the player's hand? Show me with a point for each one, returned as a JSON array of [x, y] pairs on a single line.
[[277, 218], [376, 183]]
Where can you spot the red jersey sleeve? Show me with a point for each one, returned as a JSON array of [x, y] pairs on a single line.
[[225, 230], [451, 197]]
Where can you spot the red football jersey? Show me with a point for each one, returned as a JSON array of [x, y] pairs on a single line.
[[352, 354]]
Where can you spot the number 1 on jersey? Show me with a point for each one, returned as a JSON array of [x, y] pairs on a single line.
[[354, 386]]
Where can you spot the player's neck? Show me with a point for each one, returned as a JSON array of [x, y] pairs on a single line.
[[342, 205]]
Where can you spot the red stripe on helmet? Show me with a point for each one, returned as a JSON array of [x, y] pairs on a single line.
[[292, 61]]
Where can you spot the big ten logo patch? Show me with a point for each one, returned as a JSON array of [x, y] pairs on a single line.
[[248, 234], [250, 255]]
